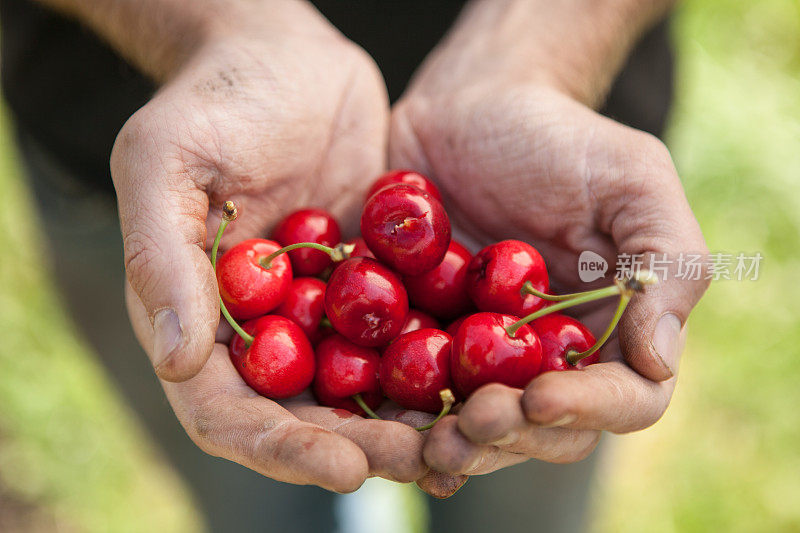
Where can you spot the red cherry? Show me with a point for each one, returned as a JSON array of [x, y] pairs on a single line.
[[366, 302], [418, 320], [279, 363], [248, 289], [452, 329], [559, 334], [408, 177], [497, 273], [304, 305], [415, 367], [484, 352], [308, 225], [345, 369], [406, 228], [442, 291]]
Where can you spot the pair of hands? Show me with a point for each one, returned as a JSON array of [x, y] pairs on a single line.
[[296, 115]]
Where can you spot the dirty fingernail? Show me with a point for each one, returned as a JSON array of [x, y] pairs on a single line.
[[167, 335], [665, 342]]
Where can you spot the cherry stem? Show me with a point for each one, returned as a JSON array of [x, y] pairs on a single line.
[[627, 286], [325, 322], [598, 294], [339, 252], [528, 288], [363, 405], [229, 214], [574, 356], [447, 402]]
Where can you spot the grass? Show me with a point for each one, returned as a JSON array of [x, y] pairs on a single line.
[[725, 456]]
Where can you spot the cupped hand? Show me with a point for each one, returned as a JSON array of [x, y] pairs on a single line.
[[522, 160], [289, 115]]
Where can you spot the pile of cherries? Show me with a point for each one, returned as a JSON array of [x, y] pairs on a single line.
[[363, 319]]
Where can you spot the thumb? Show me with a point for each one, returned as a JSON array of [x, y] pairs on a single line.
[[162, 217], [654, 228]]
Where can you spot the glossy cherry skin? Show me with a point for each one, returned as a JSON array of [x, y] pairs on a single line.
[[345, 369], [305, 305], [495, 277], [418, 320], [248, 289], [409, 177], [366, 302], [308, 225], [452, 328], [415, 367], [483, 352], [280, 362], [442, 291], [559, 334], [406, 228]]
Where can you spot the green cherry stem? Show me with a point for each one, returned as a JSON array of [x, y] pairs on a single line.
[[363, 405], [573, 356], [339, 252], [528, 288], [448, 399], [229, 214], [598, 294], [629, 286]]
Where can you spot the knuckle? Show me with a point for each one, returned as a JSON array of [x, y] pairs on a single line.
[[582, 452], [492, 389], [201, 428], [202, 425], [443, 452], [139, 252], [485, 419], [581, 448], [652, 152], [128, 140], [539, 404]]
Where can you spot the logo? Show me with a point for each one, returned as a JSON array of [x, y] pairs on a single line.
[[591, 266]]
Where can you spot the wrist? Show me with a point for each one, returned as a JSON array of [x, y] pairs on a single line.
[[161, 36], [575, 47]]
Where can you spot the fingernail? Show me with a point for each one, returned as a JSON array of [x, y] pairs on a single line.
[[512, 437], [475, 464], [665, 343], [568, 418], [167, 335]]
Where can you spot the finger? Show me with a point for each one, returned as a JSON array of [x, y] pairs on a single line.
[[441, 485], [393, 450], [437, 484], [227, 419], [447, 450], [648, 215], [162, 215], [604, 396], [493, 416], [391, 411]]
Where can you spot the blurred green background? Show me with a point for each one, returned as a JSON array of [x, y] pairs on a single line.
[[725, 457]]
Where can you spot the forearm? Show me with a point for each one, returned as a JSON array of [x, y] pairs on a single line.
[[158, 36], [577, 45]]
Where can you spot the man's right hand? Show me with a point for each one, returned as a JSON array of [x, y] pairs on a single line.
[[279, 113]]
